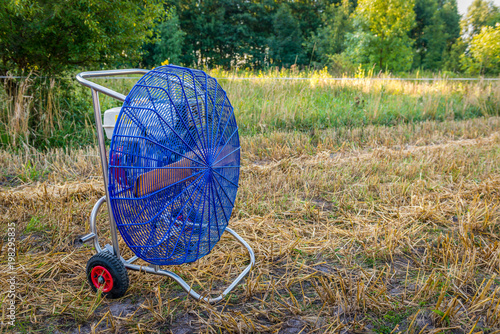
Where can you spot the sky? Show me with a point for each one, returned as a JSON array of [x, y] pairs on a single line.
[[464, 4]]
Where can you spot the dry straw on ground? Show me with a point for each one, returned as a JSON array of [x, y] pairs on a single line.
[[375, 230]]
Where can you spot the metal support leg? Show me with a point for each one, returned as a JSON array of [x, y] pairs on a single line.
[[104, 165], [186, 286], [156, 269], [93, 228]]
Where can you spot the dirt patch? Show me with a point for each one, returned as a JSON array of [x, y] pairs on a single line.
[[324, 205], [294, 326], [123, 308], [9, 181], [185, 324]]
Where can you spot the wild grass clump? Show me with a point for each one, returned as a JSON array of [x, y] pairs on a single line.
[[43, 113]]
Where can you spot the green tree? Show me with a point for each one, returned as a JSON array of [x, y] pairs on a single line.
[[247, 33], [441, 34], [169, 41], [452, 61], [480, 13], [52, 36], [311, 17], [437, 28], [424, 12], [380, 36], [484, 54], [309, 13], [329, 39], [224, 32], [169, 47], [285, 46]]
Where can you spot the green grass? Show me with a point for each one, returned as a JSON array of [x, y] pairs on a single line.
[[390, 321], [267, 105], [35, 225], [60, 113]]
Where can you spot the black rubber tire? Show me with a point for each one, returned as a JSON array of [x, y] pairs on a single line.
[[115, 268]]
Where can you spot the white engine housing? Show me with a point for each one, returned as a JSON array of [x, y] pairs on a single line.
[[110, 117]]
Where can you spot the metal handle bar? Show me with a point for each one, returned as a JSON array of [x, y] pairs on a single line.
[[96, 74], [95, 88]]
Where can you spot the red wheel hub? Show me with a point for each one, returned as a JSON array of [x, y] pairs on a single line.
[[101, 277]]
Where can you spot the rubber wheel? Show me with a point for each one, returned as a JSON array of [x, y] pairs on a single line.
[[106, 271]]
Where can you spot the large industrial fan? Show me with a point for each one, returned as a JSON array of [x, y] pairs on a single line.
[[172, 175]]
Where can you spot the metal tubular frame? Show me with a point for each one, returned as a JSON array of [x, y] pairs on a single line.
[[115, 249]]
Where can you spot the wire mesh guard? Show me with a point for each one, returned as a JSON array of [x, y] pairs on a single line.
[[174, 165]]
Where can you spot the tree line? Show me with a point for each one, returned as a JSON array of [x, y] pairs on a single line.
[[387, 35], [381, 35]]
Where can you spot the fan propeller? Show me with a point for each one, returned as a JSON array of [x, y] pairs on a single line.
[[174, 165]]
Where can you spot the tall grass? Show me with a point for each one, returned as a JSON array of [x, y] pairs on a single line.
[[45, 113], [16, 106], [269, 105]]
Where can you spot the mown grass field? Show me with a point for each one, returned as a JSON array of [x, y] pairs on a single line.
[[371, 207]]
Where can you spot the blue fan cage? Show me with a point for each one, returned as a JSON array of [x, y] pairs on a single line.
[[174, 165]]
